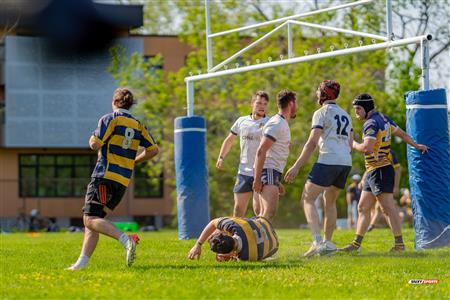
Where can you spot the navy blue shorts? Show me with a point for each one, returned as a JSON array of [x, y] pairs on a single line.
[[380, 180], [270, 177], [329, 175], [244, 184]]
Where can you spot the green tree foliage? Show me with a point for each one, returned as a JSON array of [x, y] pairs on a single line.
[[222, 100]]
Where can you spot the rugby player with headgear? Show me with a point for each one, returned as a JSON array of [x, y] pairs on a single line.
[[234, 238], [379, 180], [332, 131]]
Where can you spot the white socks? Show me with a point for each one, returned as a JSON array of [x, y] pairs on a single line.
[[123, 239], [317, 238], [79, 264]]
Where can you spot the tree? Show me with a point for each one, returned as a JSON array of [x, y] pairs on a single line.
[[222, 100]]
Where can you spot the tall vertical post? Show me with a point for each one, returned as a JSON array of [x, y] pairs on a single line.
[[290, 49], [390, 34], [209, 56], [425, 51], [190, 98]]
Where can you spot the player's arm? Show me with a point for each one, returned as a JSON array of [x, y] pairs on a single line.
[[196, 251], [261, 153], [404, 136], [366, 146], [349, 197], [226, 146], [306, 153], [94, 143], [102, 133], [350, 140], [147, 154], [149, 145]]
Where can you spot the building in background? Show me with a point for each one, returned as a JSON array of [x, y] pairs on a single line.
[[50, 102]]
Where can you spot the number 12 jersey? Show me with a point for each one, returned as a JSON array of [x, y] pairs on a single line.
[[334, 147]]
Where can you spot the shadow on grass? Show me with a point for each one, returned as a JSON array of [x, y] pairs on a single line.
[[415, 254], [225, 265]]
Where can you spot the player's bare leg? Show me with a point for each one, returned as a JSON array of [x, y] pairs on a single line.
[[310, 193], [269, 201], [386, 201], [329, 224], [89, 243], [365, 205], [240, 204]]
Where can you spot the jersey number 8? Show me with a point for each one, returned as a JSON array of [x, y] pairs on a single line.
[[128, 138]]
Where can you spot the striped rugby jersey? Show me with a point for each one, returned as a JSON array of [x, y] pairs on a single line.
[[120, 135], [379, 127], [259, 239]]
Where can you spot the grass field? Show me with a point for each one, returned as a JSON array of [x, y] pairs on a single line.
[[32, 266]]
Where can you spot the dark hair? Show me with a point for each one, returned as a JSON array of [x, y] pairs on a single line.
[[261, 94], [221, 243], [284, 97], [124, 98], [365, 101]]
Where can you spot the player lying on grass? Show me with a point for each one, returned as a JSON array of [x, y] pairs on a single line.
[[379, 178], [234, 238]]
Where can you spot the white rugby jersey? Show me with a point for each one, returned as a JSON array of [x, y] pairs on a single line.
[[277, 129], [337, 126], [250, 134]]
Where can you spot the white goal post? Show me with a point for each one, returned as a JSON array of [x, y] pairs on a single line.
[[387, 41]]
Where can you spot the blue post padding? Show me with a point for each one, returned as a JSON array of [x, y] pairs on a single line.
[[429, 174], [191, 175]]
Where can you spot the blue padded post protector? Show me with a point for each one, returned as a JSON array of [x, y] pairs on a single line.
[[429, 174], [191, 176]]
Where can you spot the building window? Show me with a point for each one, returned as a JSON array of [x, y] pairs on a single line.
[[44, 175], [148, 181]]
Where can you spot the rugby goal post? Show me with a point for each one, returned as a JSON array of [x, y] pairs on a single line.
[[190, 131]]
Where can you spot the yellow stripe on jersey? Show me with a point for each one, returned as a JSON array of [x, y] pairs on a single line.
[[266, 245], [117, 177], [127, 122], [252, 249], [271, 232]]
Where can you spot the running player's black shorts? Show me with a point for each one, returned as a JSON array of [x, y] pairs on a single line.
[[328, 175], [244, 184], [100, 193], [380, 180]]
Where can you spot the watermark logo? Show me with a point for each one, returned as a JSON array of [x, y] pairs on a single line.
[[423, 281]]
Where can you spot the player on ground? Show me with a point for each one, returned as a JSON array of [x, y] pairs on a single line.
[[332, 131], [117, 139], [273, 152], [238, 238], [379, 180], [249, 129]]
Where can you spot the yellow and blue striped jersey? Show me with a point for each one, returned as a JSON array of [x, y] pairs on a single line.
[[379, 127], [259, 239], [120, 135], [393, 159]]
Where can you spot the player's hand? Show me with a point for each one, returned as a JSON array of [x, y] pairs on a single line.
[[291, 174], [219, 163], [281, 189], [422, 148], [257, 186], [195, 252]]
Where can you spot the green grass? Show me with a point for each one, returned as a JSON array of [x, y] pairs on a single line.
[[33, 267]]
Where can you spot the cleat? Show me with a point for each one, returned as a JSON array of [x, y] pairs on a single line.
[[133, 240], [397, 248], [313, 250], [327, 248], [350, 248]]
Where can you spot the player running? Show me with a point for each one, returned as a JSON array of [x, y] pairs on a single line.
[[117, 139]]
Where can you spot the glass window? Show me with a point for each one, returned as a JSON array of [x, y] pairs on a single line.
[[55, 175], [148, 180]]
